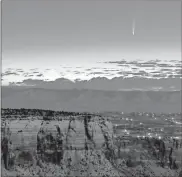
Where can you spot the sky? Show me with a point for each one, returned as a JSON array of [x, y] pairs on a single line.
[[36, 33]]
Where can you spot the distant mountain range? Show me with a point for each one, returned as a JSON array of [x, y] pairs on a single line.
[[91, 100], [102, 83]]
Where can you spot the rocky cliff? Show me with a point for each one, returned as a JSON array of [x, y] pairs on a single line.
[[86, 144], [74, 146]]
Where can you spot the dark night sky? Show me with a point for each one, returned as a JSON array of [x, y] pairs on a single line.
[[55, 32]]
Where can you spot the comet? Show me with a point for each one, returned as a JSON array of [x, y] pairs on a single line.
[[133, 28]]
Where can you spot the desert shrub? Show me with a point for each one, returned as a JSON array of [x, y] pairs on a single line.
[[129, 162], [25, 157], [12, 157], [180, 174]]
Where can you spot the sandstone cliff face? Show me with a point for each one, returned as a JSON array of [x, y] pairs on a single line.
[[84, 142], [74, 146]]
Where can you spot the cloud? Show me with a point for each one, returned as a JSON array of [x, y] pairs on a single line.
[[97, 73], [9, 73], [81, 77], [39, 75]]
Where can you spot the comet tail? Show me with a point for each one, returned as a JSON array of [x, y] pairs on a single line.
[[133, 27]]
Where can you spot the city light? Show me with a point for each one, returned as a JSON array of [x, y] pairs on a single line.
[[178, 122]]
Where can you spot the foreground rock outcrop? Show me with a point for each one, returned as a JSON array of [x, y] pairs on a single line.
[[77, 146], [82, 145]]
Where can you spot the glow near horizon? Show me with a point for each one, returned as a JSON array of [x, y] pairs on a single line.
[[86, 59]]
